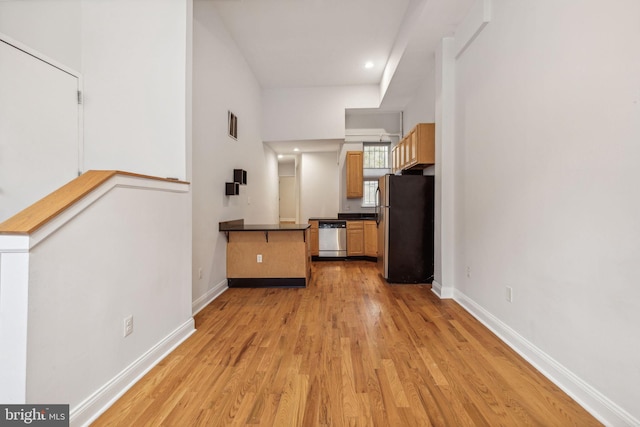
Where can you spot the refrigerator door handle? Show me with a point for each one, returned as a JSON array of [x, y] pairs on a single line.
[[378, 209]]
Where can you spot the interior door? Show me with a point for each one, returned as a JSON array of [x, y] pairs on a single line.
[[39, 129]]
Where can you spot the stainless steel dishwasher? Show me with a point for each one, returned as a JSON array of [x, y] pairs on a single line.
[[332, 237]]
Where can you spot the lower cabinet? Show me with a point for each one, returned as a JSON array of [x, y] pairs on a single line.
[[355, 238], [362, 238], [370, 239], [314, 241]]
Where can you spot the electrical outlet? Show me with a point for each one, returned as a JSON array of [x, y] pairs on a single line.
[[509, 294], [468, 271], [259, 258], [128, 326], [200, 273]]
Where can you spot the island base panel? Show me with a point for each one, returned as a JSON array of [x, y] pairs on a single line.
[[268, 282]]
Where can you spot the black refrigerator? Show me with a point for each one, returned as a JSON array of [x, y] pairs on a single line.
[[405, 208]]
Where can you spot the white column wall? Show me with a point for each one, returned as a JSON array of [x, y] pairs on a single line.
[[445, 208], [14, 306]]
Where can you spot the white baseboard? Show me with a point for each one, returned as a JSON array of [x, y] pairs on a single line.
[[92, 407], [598, 405], [209, 296], [440, 291]]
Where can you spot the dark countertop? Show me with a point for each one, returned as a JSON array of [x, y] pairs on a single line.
[[357, 216], [348, 216], [239, 225]]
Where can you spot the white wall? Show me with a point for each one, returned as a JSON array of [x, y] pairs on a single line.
[[53, 28], [134, 74], [223, 81], [134, 78], [368, 124], [133, 64], [312, 112], [287, 168], [547, 131], [319, 185], [421, 109]]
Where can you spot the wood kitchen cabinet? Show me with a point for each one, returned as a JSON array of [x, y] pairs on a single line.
[[314, 241], [370, 239], [354, 174], [395, 159], [417, 148], [355, 238]]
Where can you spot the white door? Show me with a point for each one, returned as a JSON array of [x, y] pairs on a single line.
[[39, 122]]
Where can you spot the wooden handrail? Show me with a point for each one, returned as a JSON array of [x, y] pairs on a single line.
[[38, 214]]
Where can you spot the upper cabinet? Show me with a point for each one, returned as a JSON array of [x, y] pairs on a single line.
[[417, 148], [354, 174]]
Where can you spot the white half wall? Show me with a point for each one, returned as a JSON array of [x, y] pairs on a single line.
[[297, 114], [319, 185], [546, 139], [223, 81], [122, 250]]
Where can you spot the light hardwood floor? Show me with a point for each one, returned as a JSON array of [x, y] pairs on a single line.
[[349, 350]]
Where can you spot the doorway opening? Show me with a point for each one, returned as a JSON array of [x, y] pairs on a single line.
[[288, 191]]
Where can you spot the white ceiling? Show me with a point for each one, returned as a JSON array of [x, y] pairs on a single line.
[[300, 43], [296, 43]]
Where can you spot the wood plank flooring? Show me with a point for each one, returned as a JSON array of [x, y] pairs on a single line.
[[349, 350]]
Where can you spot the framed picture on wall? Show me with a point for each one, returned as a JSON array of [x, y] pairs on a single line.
[[233, 125]]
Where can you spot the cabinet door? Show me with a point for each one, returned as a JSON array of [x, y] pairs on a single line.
[[412, 142], [355, 238], [394, 159], [313, 238], [354, 175], [370, 239], [426, 143]]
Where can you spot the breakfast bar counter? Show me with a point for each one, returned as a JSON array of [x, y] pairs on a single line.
[[267, 255]]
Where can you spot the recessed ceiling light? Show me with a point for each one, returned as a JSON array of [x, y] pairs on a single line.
[[369, 64], [280, 156], [296, 149]]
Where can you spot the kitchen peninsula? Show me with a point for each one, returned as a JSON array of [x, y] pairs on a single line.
[[267, 255]]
